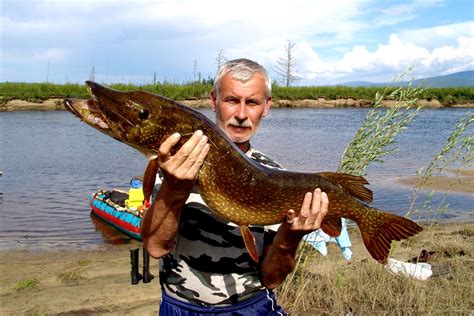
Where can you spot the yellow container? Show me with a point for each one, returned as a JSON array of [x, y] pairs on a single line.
[[135, 198]]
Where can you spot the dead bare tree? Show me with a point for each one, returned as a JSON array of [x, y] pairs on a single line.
[[195, 70], [286, 65], [92, 74], [220, 59], [196, 76]]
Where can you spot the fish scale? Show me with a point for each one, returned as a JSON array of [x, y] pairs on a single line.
[[235, 187]]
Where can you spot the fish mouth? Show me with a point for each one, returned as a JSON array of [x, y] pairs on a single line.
[[86, 111], [89, 112]]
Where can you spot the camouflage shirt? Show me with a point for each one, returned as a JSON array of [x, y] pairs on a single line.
[[210, 264]]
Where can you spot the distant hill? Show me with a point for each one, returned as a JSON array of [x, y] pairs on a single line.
[[458, 79]]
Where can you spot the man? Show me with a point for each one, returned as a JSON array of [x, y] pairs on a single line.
[[204, 266]]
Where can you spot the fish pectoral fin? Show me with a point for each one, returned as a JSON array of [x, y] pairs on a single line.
[[149, 178], [332, 226], [249, 241], [355, 185]]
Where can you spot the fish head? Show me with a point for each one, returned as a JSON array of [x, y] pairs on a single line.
[[116, 108], [134, 117]]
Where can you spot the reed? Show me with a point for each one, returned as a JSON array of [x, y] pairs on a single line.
[[370, 143], [457, 154], [377, 133], [329, 285]]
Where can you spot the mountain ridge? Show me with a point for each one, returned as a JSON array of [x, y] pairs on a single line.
[[457, 79]]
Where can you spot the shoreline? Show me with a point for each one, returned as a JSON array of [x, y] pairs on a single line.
[[55, 104], [454, 181], [84, 282]]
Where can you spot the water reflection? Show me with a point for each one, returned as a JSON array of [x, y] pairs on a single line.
[[109, 233]]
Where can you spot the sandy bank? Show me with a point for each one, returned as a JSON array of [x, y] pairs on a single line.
[[78, 282], [461, 181], [56, 104], [13, 105], [74, 282]]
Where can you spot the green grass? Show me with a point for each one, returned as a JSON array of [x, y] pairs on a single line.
[[41, 91], [197, 90], [27, 284]]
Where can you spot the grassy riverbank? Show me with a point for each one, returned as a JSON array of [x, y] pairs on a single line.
[[332, 286], [38, 92]]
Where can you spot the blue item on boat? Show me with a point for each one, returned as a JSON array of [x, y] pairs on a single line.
[[135, 184]]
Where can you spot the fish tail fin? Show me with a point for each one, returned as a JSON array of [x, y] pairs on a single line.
[[381, 229]]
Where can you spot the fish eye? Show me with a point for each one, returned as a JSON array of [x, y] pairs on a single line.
[[143, 114]]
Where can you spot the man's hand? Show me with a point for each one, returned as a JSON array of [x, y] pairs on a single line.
[[181, 170], [313, 210]]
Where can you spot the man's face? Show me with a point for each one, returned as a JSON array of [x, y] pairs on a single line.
[[240, 106]]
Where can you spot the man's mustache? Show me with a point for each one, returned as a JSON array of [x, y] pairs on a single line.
[[234, 122]]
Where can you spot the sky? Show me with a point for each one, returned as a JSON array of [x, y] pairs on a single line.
[[132, 41]]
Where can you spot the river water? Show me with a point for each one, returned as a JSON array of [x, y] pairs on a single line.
[[51, 162]]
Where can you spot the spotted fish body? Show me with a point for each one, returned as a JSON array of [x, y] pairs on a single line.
[[235, 187]]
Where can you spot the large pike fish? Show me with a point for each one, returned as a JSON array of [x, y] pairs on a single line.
[[235, 187]]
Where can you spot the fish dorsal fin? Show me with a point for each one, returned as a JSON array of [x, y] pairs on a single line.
[[249, 241], [355, 185], [332, 226]]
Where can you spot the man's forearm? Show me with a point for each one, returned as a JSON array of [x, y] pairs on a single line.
[[160, 224], [280, 259]]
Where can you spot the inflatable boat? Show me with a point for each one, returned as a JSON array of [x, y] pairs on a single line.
[[111, 207]]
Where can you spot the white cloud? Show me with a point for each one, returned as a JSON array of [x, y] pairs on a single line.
[[398, 55], [169, 33], [312, 62], [358, 59], [448, 59], [335, 40], [387, 60], [437, 36]]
